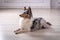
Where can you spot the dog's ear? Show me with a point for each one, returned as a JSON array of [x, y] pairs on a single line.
[[29, 8], [30, 11], [24, 8]]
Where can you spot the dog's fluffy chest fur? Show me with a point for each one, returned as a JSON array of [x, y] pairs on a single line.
[[26, 24]]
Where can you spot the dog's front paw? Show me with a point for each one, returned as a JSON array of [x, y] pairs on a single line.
[[16, 32]]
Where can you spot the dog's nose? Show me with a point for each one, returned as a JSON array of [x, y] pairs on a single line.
[[19, 15]]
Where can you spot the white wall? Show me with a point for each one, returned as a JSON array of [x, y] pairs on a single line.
[[22, 3], [55, 3]]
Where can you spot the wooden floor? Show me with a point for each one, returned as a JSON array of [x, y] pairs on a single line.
[[9, 21]]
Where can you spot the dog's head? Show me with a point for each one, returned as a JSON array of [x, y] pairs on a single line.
[[27, 13]]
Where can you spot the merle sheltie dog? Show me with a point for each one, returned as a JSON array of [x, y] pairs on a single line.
[[29, 24]]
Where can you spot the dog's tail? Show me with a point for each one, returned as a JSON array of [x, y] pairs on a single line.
[[49, 23]]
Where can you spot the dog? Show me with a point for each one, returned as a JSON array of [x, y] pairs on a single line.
[[29, 24]]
